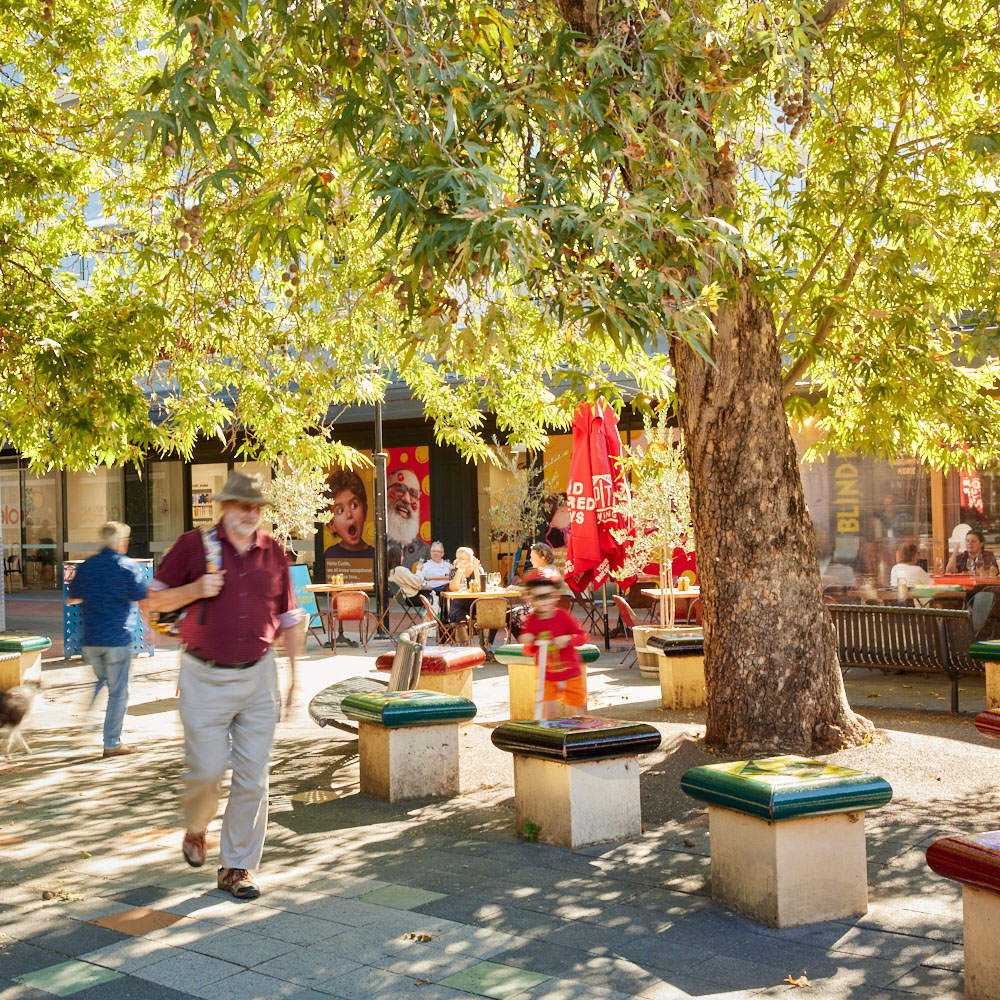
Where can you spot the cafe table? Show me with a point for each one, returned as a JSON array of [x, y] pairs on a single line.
[[337, 588]]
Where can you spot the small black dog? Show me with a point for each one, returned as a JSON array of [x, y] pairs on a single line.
[[15, 705]]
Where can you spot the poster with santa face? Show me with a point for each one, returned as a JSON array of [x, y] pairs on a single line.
[[349, 533]]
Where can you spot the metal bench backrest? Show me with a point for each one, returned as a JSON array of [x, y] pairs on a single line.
[[871, 635]]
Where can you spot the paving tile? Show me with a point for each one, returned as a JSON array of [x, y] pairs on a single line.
[[143, 895], [246, 985], [366, 983], [186, 971], [66, 978], [239, 947], [348, 911], [313, 995], [401, 897], [568, 989], [541, 956], [9, 990], [137, 921], [130, 954], [482, 942], [427, 963], [313, 966], [17, 957], [73, 938], [942, 984], [295, 928], [491, 979], [127, 988]]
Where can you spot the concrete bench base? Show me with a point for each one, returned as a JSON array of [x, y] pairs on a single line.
[[799, 871], [682, 681], [418, 762], [980, 932], [27, 666], [576, 805], [523, 681]]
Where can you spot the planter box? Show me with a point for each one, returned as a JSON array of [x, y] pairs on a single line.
[[649, 663]]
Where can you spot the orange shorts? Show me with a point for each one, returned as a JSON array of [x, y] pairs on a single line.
[[572, 691]]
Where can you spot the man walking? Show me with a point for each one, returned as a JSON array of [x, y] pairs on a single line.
[[234, 580], [109, 585]]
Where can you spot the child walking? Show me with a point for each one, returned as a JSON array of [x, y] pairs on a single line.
[[560, 633]]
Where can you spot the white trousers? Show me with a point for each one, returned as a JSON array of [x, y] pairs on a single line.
[[229, 718]]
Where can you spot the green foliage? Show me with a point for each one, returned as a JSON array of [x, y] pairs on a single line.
[[530, 831], [539, 189]]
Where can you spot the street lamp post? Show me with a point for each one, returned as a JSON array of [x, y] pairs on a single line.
[[381, 568]]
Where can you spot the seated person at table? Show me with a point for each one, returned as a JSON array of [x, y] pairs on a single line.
[[436, 571], [542, 558], [976, 559], [408, 582], [559, 631], [906, 568], [467, 569], [348, 513]]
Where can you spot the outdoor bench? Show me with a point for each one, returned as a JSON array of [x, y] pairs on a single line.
[[522, 675], [25, 663], [787, 836], [918, 640], [447, 669], [974, 861], [408, 742], [576, 780], [682, 670]]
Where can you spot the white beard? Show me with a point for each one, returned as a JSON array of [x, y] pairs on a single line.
[[400, 530]]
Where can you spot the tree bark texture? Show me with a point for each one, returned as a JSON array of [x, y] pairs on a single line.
[[774, 681]]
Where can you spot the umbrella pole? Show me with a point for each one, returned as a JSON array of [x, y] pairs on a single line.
[[607, 630]]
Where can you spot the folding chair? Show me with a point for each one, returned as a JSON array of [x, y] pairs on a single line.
[[397, 603], [350, 606], [585, 602], [447, 631], [627, 617], [486, 614]]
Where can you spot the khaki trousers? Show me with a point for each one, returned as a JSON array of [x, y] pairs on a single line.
[[229, 718]]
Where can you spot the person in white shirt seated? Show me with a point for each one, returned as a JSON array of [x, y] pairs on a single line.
[[906, 568], [436, 571], [410, 585]]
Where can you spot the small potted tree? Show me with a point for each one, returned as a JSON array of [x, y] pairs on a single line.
[[659, 505]]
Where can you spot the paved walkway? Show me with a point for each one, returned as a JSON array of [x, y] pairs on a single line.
[[363, 899]]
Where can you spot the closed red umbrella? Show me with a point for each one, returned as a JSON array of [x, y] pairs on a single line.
[[595, 478]]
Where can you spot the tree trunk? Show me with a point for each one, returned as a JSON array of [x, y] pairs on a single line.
[[774, 681]]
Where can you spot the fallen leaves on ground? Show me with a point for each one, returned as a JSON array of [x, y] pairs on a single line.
[[800, 984], [417, 936]]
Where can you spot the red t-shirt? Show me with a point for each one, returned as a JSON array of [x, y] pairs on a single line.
[[241, 621], [560, 664]]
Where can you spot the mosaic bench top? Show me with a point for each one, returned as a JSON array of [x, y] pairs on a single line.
[[972, 860], [12, 642], [397, 709], [988, 723], [575, 739], [786, 787], [440, 659], [988, 649], [514, 653]]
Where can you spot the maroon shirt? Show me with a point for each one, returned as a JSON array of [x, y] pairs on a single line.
[[243, 619]]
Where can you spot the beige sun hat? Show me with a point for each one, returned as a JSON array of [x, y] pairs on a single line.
[[243, 489]]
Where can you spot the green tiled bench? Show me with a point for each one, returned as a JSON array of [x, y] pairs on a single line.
[[576, 780], [988, 651], [522, 675], [788, 836], [974, 861], [28, 665], [408, 742]]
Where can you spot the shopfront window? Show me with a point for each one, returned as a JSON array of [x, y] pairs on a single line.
[[864, 510], [166, 501], [39, 510], [206, 481], [92, 498]]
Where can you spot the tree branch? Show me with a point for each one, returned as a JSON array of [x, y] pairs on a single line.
[[802, 363]]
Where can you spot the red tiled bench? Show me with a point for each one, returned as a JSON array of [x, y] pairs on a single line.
[[974, 861], [446, 669]]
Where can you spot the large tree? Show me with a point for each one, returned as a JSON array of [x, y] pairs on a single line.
[[773, 193]]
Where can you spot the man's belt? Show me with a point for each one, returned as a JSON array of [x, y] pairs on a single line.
[[242, 665]]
